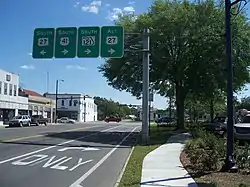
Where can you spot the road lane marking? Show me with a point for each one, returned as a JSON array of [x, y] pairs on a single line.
[[42, 135], [51, 162], [78, 182], [79, 148], [53, 146]]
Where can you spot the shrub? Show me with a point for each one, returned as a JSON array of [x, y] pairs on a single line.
[[205, 150], [243, 157]]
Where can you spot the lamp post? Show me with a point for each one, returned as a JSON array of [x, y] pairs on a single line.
[[230, 163], [57, 88]]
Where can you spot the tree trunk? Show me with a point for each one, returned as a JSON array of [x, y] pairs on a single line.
[[211, 109], [180, 99]]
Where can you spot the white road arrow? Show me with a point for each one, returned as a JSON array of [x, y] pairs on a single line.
[[78, 148], [42, 52], [87, 51], [111, 51], [64, 51]]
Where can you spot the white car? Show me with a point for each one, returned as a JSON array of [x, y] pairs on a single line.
[[65, 120], [242, 129], [21, 120]]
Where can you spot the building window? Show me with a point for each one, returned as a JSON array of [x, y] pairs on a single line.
[[75, 102], [70, 102], [62, 102], [8, 78], [5, 88], [0, 87], [15, 90], [10, 89]]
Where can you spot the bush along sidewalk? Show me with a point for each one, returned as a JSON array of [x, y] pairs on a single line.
[[206, 154]]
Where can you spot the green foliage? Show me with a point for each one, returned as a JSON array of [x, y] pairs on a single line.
[[243, 157], [109, 107], [205, 151], [244, 103], [187, 49]]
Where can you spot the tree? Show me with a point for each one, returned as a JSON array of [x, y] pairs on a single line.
[[187, 49], [107, 107]]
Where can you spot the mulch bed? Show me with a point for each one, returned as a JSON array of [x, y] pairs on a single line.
[[213, 178]]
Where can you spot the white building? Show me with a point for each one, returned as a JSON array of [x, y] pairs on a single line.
[[11, 104], [75, 106]]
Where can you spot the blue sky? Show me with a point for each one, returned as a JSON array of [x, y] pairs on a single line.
[[18, 21]]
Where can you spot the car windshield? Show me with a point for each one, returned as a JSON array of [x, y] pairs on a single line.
[[17, 117], [246, 119]]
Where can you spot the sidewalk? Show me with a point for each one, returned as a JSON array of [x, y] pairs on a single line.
[[162, 167]]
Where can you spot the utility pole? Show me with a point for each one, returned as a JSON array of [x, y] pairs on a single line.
[[145, 86], [57, 82], [57, 88], [230, 162]]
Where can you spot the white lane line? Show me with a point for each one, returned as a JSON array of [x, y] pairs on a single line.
[[53, 146], [78, 182]]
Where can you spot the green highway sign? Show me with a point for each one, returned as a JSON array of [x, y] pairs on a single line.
[[65, 42], [88, 42], [112, 41], [43, 43]]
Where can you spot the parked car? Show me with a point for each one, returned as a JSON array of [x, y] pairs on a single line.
[[164, 120], [65, 120], [217, 126], [112, 119], [39, 119], [242, 129], [20, 120]]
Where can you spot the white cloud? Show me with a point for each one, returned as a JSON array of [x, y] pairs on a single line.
[[129, 9], [116, 12], [93, 7], [96, 3], [76, 4], [27, 67], [79, 67], [30, 54], [107, 5], [131, 2]]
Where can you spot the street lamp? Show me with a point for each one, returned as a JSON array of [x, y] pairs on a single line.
[[57, 87]]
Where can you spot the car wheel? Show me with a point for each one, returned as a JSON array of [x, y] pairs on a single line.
[[28, 124], [21, 124]]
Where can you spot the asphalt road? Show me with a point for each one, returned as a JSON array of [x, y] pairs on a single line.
[[78, 155]]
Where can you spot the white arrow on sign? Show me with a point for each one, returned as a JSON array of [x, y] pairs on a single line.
[[87, 51], [42, 52], [111, 51], [78, 148], [64, 51]]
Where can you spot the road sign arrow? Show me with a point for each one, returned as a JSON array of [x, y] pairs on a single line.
[[111, 51], [87, 51], [64, 51], [42, 52]]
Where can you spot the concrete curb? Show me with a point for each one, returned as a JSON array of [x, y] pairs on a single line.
[[124, 167]]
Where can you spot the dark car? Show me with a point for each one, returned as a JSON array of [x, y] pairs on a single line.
[[218, 125], [39, 119], [112, 119], [164, 120]]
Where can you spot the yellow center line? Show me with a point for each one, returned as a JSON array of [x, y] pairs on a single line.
[[43, 135]]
